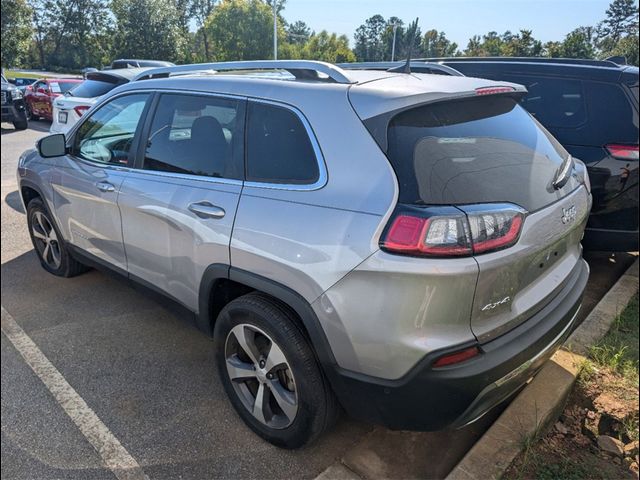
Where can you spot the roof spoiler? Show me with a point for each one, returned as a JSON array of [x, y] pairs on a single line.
[[301, 69]]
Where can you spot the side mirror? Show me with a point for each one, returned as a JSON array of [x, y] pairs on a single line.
[[52, 146]]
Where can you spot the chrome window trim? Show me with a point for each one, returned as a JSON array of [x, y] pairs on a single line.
[[322, 167]]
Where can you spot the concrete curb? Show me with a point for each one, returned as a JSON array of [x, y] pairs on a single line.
[[542, 401]]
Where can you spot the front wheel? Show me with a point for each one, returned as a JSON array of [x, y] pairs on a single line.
[[48, 243], [270, 373], [21, 123]]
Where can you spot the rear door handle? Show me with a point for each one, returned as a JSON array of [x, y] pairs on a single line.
[[105, 187], [206, 210]]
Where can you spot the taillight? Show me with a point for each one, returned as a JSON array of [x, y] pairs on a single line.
[[81, 109], [623, 152], [494, 90], [457, 357], [451, 231]]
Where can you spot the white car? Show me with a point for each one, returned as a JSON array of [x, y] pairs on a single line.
[[68, 109]]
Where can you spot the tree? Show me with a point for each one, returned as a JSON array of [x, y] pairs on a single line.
[[521, 44], [579, 44], [436, 44], [622, 19], [627, 47], [369, 45], [201, 10], [298, 33], [16, 31], [328, 48], [148, 29], [242, 30]]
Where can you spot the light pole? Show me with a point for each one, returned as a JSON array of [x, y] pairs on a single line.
[[275, 30], [393, 45]]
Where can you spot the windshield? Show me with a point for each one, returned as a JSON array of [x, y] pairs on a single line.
[[478, 150], [62, 87]]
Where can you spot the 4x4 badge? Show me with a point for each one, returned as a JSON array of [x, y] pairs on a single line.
[[569, 214]]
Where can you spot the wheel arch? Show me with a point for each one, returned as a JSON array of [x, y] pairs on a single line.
[[238, 282]]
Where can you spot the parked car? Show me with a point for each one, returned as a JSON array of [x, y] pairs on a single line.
[[68, 109], [591, 107], [13, 110], [39, 97], [22, 82], [412, 253], [137, 63]]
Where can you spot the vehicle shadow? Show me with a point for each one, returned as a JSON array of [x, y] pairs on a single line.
[[14, 201], [35, 125]]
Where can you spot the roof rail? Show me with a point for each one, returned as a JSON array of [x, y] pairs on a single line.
[[566, 61], [301, 69], [415, 65]]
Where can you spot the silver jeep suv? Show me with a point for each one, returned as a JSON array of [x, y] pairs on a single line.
[[405, 246]]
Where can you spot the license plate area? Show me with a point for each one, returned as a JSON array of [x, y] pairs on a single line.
[[62, 117]]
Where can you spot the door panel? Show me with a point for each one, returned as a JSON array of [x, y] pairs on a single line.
[[169, 238], [92, 173], [179, 205]]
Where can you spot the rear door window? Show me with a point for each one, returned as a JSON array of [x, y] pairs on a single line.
[[614, 120], [278, 147], [196, 135], [555, 102], [478, 150]]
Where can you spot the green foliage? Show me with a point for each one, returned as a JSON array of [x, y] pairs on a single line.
[[298, 33], [242, 30], [521, 44], [369, 46], [626, 47], [436, 44], [148, 29], [16, 32]]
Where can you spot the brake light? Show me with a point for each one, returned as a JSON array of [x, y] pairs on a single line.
[[457, 357], [81, 109], [623, 152], [494, 90], [453, 232]]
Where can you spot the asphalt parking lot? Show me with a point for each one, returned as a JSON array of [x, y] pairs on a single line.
[[149, 376]]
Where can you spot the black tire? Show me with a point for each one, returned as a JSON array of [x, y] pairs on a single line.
[[317, 407], [68, 266], [21, 123]]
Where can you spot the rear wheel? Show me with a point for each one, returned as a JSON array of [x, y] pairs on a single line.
[[48, 243], [30, 115], [270, 373]]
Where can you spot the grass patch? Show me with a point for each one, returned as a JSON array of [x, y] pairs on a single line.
[[13, 74], [618, 350]]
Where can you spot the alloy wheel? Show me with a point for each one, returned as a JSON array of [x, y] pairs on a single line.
[[46, 240], [261, 376]]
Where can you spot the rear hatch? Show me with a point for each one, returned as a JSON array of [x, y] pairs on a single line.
[[485, 153]]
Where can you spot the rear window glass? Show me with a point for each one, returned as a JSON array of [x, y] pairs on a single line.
[[613, 116], [479, 150], [91, 89], [278, 147]]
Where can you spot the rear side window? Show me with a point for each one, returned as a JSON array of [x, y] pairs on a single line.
[[91, 89], [555, 102], [278, 147], [479, 150], [613, 118], [62, 87], [196, 135]]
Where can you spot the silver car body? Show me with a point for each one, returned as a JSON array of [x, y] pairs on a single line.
[[381, 313]]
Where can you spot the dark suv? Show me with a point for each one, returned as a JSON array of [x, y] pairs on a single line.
[[591, 107], [13, 110]]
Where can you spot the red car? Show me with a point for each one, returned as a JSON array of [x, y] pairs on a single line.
[[39, 96]]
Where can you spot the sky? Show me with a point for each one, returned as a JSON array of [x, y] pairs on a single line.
[[459, 19]]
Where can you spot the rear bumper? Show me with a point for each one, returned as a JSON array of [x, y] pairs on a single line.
[[606, 240], [432, 399]]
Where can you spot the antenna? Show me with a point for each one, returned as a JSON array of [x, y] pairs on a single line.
[[406, 68]]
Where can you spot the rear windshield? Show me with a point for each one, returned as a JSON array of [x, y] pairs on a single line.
[[479, 150], [91, 89]]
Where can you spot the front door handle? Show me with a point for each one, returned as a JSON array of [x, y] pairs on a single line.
[[105, 187], [206, 210]]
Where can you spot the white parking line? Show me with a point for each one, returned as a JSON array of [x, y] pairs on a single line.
[[113, 454]]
